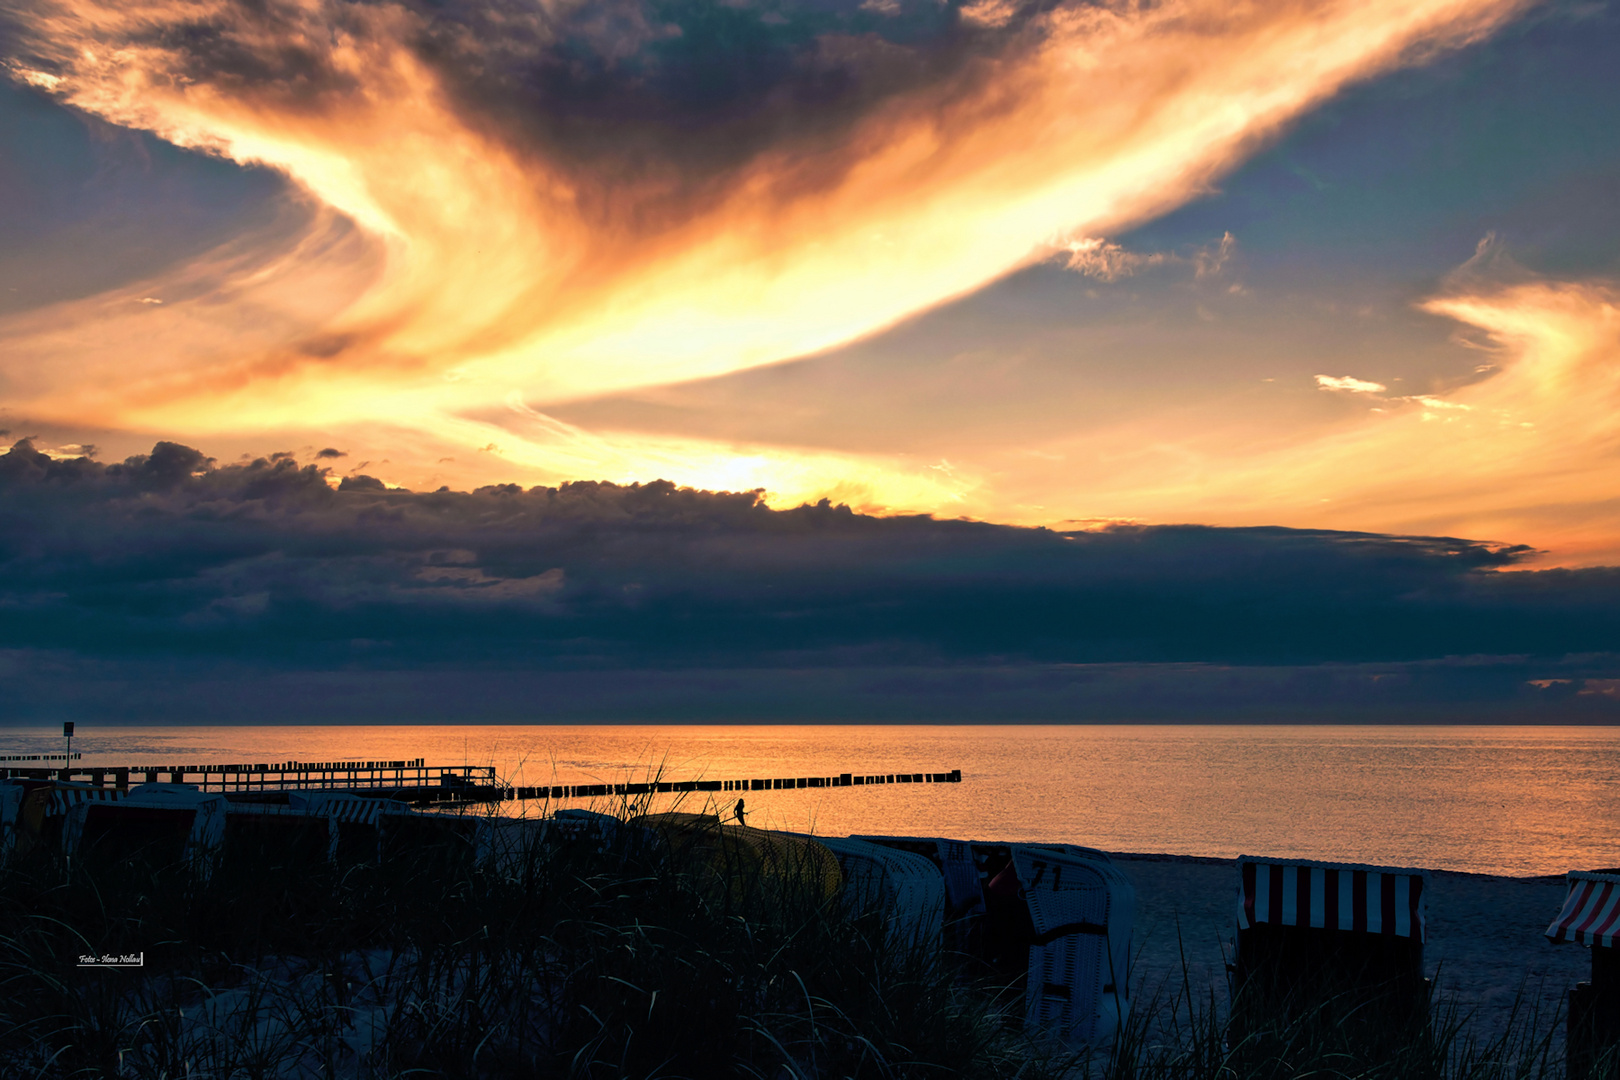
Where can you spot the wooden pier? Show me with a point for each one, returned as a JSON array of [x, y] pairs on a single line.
[[410, 780]]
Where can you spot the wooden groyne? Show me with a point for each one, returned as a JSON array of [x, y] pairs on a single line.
[[780, 783]]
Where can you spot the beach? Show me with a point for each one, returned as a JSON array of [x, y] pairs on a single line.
[[1484, 946]]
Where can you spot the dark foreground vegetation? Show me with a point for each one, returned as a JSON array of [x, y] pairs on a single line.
[[581, 957]]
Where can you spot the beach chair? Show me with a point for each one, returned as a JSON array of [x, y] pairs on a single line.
[[507, 847], [160, 825], [905, 888], [953, 861], [439, 843], [1334, 944], [262, 837], [1053, 922], [1591, 917], [37, 823], [11, 800], [599, 831], [357, 826]]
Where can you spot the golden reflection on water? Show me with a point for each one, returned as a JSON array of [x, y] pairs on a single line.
[[1506, 800]]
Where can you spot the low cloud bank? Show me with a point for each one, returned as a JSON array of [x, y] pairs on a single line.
[[136, 588]]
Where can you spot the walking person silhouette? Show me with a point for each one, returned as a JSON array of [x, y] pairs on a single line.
[[739, 813]]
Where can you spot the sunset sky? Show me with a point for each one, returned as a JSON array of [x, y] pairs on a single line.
[[1316, 265]]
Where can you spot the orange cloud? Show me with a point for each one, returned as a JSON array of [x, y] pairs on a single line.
[[1529, 454], [493, 263]]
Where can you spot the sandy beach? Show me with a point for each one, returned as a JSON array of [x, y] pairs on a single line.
[[1485, 935]]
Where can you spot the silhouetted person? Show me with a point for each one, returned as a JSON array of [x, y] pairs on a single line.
[[739, 813], [1008, 929]]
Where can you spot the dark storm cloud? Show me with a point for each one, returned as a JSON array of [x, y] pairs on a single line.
[[166, 551], [150, 587], [667, 92], [633, 88]]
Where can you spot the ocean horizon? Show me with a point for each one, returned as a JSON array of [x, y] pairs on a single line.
[[1491, 799]]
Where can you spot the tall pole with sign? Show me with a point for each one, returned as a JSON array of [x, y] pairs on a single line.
[[67, 733]]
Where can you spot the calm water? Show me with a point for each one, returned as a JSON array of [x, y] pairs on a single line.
[[1490, 799]]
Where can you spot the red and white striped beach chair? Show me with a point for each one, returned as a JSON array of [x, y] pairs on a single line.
[[1591, 917], [1591, 914]]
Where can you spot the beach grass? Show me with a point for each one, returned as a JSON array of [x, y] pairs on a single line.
[[1174, 1034], [591, 955]]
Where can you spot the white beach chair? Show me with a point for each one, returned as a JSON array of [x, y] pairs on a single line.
[[1084, 910], [1079, 913], [953, 860], [906, 887], [11, 798], [588, 826]]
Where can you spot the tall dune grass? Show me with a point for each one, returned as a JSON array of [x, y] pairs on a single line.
[[570, 960], [586, 958], [1176, 1034]]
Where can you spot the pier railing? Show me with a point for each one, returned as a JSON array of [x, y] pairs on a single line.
[[410, 779]]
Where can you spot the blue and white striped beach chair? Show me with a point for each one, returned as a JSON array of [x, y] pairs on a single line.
[[1339, 941]]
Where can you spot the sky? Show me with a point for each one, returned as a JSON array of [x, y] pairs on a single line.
[[916, 359]]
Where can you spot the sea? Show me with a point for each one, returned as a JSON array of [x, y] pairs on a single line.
[[1511, 801]]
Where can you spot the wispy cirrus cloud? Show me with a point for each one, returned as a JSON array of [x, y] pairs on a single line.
[[1108, 261], [1350, 384]]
